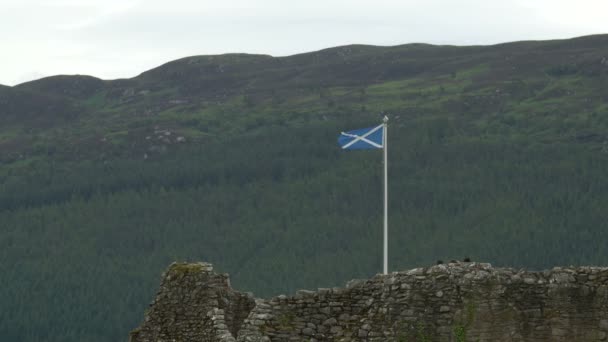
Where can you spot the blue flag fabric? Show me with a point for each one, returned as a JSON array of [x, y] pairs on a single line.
[[362, 139]]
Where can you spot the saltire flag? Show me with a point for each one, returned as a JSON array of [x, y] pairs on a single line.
[[362, 139]]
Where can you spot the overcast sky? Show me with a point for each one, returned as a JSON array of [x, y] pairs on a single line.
[[122, 38]]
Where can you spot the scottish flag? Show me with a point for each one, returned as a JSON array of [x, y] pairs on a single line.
[[362, 139]]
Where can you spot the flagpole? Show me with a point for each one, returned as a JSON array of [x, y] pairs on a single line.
[[385, 148]]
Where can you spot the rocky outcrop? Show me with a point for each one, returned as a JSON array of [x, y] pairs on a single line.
[[453, 302]]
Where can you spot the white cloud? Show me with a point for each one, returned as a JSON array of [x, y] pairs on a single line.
[[30, 76], [581, 15], [102, 11]]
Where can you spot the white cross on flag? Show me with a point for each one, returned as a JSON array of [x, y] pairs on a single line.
[[362, 139]]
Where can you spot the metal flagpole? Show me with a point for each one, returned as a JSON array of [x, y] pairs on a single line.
[[385, 148]]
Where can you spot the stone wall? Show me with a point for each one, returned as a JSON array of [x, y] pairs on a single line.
[[453, 302], [194, 304]]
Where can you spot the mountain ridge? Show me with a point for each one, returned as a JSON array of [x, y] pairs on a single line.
[[596, 38]]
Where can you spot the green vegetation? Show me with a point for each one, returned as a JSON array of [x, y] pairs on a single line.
[[185, 268], [460, 330], [421, 334], [460, 333], [499, 153]]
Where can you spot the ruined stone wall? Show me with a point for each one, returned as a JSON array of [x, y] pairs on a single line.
[[454, 302], [194, 304]]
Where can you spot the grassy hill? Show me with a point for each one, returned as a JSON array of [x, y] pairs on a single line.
[[496, 152]]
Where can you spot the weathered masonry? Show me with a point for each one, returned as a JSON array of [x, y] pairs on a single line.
[[454, 302]]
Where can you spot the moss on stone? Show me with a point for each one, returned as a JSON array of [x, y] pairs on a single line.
[[185, 268]]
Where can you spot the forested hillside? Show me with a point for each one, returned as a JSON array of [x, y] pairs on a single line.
[[499, 153]]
